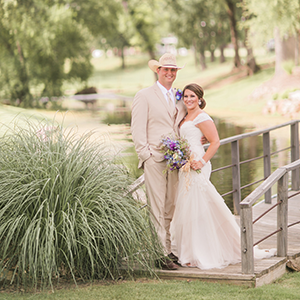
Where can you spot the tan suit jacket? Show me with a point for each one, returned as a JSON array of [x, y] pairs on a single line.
[[152, 118]]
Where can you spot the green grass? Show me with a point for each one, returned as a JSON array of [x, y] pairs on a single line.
[[286, 288], [236, 96]]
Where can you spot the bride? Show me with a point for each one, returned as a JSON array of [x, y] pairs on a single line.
[[204, 231]]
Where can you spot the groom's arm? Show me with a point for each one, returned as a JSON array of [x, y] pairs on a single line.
[[139, 121], [204, 140]]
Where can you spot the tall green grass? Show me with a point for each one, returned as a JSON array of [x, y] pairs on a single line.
[[64, 209]]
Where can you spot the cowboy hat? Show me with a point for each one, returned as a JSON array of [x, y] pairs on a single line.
[[168, 60]]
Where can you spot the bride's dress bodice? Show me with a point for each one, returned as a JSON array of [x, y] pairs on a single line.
[[193, 134]]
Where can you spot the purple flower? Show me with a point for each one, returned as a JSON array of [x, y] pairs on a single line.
[[178, 94], [173, 146], [176, 152]]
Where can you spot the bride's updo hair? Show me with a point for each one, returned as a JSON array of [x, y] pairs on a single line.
[[198, 90]]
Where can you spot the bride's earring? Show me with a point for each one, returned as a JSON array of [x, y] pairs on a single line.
[[199, 102]]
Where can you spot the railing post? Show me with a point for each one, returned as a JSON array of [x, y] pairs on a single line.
[[295, 155], [236, 177], [267, 163], [247, 240], [282, 215]]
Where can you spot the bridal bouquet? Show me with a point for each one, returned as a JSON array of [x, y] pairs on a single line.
[[176, 151]]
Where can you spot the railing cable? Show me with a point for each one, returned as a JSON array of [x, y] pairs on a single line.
[[266, 237], [295, 223], [279, 202]]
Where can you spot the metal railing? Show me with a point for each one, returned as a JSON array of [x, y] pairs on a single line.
[[236, 163]]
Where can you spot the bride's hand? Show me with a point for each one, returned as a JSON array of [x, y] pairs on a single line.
[[196, 165]]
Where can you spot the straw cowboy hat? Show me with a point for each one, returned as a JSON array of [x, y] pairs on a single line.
[[168, 60]]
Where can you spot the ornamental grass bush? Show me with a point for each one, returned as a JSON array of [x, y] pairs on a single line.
[[64, 211]]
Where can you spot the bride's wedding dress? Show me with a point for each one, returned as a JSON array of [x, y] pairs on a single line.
[[204, 231]]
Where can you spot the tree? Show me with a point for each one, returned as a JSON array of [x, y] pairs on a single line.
[[41, 47], [105, 19], [274, 19], [147, 20], [231, 9], [203, 24]]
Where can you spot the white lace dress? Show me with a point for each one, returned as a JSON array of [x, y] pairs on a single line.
[[204, 231]]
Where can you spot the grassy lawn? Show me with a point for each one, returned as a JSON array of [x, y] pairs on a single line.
[[286, 288]]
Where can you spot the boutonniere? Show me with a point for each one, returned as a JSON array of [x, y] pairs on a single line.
[[178, 94]]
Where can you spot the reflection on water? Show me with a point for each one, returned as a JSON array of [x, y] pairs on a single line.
[[249, 148]]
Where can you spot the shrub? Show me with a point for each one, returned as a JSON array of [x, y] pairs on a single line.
[[275, 96], [64, 209], [123, 117], [288, 66]]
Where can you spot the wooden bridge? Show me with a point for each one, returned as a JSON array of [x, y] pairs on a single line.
[[273, 222]]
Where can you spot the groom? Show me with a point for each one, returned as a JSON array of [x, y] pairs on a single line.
[[155, 113]]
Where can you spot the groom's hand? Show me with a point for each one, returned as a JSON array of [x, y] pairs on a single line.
[[204, 140]]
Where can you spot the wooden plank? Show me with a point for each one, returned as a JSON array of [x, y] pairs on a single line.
[[268, 183], [295, 155], [254, 133], [236, 176], [265, 270], [267, 162], [271, 275], [247, 240], [137, 183], [292, 166], [282, 215]]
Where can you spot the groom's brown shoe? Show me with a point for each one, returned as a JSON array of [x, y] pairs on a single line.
[[166, 263], [173, 258]]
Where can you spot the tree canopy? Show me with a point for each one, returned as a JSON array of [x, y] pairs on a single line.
[[41, 46], [273, 19], [44, 43]]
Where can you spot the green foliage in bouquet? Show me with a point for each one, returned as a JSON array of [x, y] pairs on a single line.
[[176, 151], [64, 209]]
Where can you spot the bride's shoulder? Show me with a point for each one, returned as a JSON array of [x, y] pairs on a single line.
[[201, 118]]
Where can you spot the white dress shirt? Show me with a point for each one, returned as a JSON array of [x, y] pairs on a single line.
[[165, 91]]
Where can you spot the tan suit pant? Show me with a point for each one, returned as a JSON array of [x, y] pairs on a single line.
[[161, 191]]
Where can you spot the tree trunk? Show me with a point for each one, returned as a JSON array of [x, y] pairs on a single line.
[[233, 32], [252, 67], [296, 49], [212, 55], [151, 53], [152, 56], [278, 53], [202, 60], [123, 57], [195, 53], [222, 56], [22, 92]]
